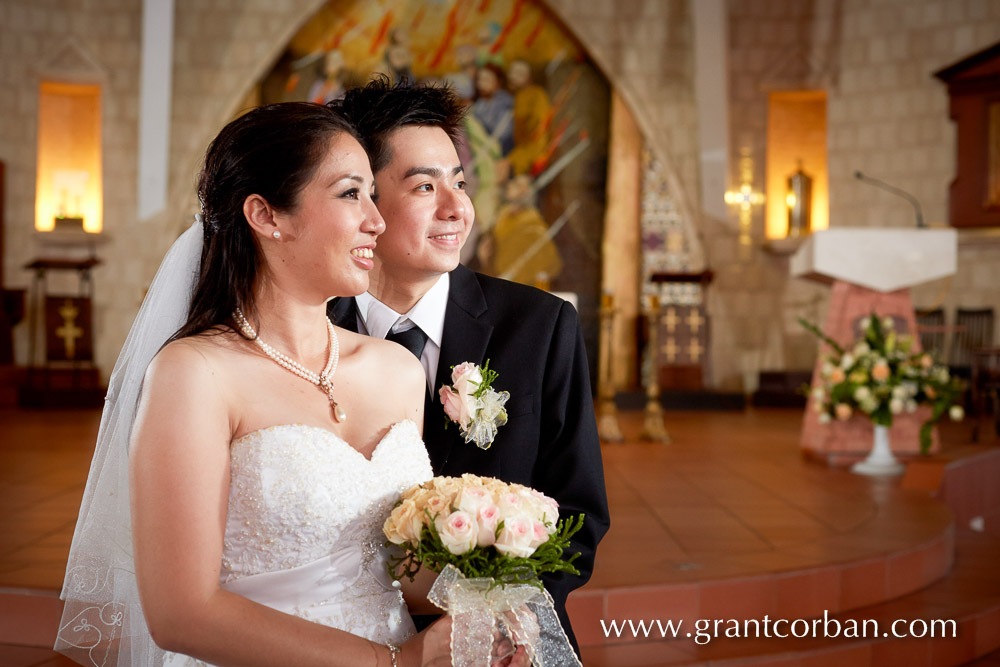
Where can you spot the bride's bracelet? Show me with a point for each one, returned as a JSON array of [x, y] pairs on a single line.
[[393, 652]]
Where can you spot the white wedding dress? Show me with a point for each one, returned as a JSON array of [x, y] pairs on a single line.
[[304, 527]]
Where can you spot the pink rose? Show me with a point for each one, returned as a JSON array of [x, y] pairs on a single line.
[[539, 534], [458, 532], [510, 504], [471, 498], [488, 516], [452, 404], [515, 538]]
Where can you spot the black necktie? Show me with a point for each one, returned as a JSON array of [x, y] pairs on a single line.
[[412, 339]]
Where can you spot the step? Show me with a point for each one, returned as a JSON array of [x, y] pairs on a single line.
[[970, 596]]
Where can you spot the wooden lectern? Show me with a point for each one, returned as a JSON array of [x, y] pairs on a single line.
[[870, 270]]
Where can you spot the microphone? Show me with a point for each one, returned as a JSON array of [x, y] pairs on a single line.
[[896, 191]]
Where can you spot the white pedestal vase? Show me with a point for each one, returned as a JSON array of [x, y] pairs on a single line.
[[880, 461]]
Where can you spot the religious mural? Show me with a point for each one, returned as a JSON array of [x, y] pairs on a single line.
[[536, 133]]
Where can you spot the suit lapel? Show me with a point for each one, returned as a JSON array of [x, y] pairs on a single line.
[[343, 312], [466, 336]]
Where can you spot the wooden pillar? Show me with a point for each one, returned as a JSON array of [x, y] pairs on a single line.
[[621, 249]]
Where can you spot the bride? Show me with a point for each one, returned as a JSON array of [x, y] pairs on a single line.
[[234, 508]]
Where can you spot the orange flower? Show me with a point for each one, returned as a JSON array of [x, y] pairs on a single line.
[[880, 372]]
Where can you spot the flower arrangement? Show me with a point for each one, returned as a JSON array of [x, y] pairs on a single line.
[[482, 526], [880, 376], [472, 403]]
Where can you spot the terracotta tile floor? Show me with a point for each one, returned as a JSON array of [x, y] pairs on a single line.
[[730, 500]]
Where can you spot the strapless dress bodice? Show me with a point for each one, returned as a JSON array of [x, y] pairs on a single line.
[[304, 526]]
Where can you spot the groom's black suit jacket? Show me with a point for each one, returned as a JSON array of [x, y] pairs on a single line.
[[533, 341]]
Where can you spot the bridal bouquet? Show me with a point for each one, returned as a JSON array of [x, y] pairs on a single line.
[[489, 541], [471, 402], [881, 376]]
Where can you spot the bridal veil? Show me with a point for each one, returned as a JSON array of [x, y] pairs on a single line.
[[102, 623]]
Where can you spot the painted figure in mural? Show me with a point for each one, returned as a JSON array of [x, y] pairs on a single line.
[[494, 106], [398, 57], [523, 250], [531, 118], [242, 458], [331, 85], [531, 338], [463, 80]]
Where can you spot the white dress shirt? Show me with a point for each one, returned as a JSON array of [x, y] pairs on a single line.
[[377, 319]]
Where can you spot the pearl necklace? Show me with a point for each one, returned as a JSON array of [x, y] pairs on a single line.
[[322, 380]]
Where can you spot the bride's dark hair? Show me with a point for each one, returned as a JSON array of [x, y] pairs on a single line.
[[272, 151]]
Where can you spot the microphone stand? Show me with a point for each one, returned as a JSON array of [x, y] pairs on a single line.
[[896, 191]]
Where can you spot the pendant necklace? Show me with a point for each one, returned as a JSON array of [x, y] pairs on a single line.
[[323, 380]]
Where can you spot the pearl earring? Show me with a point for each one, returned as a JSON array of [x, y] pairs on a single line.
[[276, 234]]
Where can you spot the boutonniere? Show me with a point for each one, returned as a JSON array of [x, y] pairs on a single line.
[[471, 402]]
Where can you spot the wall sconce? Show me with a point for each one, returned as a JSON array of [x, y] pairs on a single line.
[[68, 194], [798, 200]]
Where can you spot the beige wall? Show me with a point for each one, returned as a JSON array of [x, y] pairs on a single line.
[[887, 116]]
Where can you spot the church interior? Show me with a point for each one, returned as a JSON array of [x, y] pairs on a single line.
[[744, 200]]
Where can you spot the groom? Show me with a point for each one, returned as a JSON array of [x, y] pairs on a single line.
[[445, 314]]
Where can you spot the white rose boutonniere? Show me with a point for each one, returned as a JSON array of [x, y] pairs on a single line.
[[471, 402]]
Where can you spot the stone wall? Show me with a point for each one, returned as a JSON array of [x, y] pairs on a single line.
[[887, 116], [889, 119]]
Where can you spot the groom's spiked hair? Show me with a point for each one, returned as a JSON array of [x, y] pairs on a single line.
[[380, 107]]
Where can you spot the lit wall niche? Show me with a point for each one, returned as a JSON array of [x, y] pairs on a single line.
[[68, 185], [796, 135]]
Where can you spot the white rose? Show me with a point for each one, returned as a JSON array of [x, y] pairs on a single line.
[[459, 532], [862, 393], [864, 323], [824, 418], [956, 413], [847, 360], [888, 323], [896, 406], [861, 349], [511, 504], [515, 538], [911, 406]]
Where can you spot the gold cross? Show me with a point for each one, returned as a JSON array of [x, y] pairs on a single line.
[[695, 349], [694, 321], [670, 349], [671, 319], [69, 332]]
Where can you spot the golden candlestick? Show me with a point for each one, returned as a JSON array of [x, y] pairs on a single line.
[[607, 412], [653, 428]]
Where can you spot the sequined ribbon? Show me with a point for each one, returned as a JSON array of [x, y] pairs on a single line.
[[521, 611]]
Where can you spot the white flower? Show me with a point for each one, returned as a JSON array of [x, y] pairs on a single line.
[[956, 413], [847, 360], [888, 323], [896, 406], [818, 393], [899, 391], [862, 393], [864, 323], [911, 406], [824, 418], [861, 349], [826, 369]]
